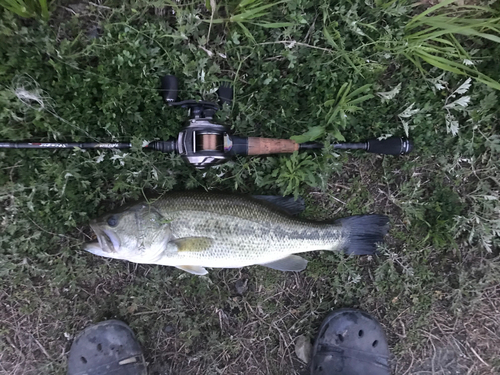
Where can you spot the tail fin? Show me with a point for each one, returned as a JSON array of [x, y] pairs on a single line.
[[363, 232]]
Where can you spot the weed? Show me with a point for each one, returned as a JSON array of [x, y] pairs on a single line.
[[433, 38], [246, 11], [27, 8], [292, 172], [344, 103]]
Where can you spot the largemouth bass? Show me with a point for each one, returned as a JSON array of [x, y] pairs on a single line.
[[192, 231]]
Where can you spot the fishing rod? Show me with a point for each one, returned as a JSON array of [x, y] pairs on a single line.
[[203, 142]]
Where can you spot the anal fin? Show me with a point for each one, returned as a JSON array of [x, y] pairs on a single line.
[[289, 263], [195, 270]]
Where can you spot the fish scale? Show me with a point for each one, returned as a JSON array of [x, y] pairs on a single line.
[[245, 240], [196, 230]]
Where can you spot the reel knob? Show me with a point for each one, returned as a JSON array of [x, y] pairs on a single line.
[[169, 89], [225, 93]]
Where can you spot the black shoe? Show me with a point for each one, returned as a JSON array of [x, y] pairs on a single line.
[[350, 342], [106, 348]]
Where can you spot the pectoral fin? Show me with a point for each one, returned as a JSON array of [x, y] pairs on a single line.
[[195, 270], [193, 243], [290, 263]]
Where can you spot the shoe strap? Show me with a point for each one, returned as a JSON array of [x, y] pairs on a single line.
[[354, 354]]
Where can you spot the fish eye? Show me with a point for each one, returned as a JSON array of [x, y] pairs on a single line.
[[112, 221]]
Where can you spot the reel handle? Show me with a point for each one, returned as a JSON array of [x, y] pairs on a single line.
[[225, 93], [169, 88]]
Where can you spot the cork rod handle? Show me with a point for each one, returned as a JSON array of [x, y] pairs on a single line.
[[266, 146]]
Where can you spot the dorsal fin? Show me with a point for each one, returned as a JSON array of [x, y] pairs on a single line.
[[287, 204]]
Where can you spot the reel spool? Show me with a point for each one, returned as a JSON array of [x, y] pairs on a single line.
[[209, 142]]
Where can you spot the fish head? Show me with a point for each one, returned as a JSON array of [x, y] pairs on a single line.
[[129, 233]]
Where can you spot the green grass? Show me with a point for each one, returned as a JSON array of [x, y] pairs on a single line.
[[431, 37], [27, 8], [314, 69]]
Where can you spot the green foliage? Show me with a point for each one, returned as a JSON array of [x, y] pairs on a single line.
[[294, 171], [345, 103], [322, 73], [247, 11], [27, 8], [433, 38], [439, 212]]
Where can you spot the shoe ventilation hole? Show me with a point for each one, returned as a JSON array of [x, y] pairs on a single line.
[[112, 347], [375, 343], [360, 333], [83, 359], [99, 347], [341, 338], [324, 330]]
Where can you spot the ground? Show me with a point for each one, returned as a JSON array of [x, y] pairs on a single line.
[[91, 72]]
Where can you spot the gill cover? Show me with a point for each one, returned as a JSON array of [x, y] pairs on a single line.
[[126, 234]]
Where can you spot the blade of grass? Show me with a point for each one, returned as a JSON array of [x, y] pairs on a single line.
[[342, 52], [458, 46], [488, 81], [273, 25], [444, 41], [430, 48], [415, 62], [439, 62], [464, 30], [246, 31], [461, 69], [430, 10], [44, 9], [343, 117], [359, 91], [244, 3], [344, 89], [252, 13], [361, 99]]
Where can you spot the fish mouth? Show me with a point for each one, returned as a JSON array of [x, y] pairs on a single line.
[[107, 241]]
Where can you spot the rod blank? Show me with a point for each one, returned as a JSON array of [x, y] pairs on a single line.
[[55, 145]]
